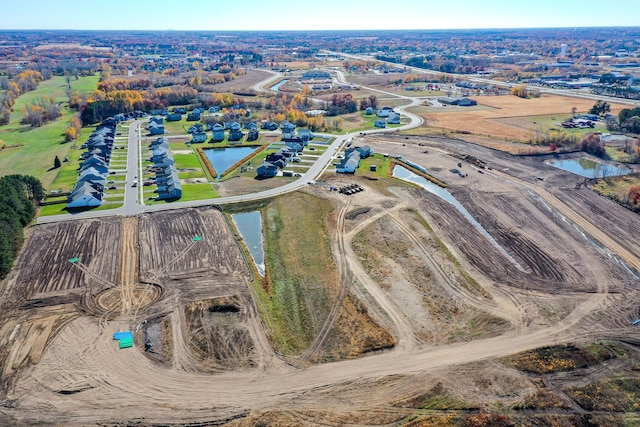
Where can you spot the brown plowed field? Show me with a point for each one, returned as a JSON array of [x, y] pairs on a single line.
[[451, 307]]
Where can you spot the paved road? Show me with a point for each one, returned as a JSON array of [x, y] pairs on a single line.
[[132, 206], [484, 80]]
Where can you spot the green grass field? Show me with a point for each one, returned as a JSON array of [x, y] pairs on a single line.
[[37, 147]]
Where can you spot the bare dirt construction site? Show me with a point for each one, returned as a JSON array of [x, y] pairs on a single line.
[[524, 318]]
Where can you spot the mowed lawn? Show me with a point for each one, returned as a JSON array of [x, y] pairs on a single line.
[[39, 146], [508, 116]]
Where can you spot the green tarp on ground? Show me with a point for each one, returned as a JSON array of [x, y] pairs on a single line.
[[126, 343]]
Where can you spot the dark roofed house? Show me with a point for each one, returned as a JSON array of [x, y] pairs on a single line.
[[174, 117], [95, 162], [218, 133], [269, 125], [267, 170], [193, 116], [198, 137], [393, 119], [380, 123], [235, 135], [253, 134], [295, 146], [305, 135], [280, 163], [156, 128], [462, 102]]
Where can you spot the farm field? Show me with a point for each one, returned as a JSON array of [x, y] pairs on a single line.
[[507, 117], [451, 326]]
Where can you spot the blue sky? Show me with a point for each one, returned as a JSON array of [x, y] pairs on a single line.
[[313, 15]]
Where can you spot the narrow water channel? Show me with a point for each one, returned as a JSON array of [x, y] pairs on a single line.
[[249, 224], [405, 174], [276, 86]]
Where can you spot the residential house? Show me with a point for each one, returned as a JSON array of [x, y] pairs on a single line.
[[156, 128], [305, 135], [253, 134], [266, 125], [198, 137], [193, 116], [384, 112], [218, 133], [393, 119], [267, 170], [380, 123], [350, 163], [235, 132], [288, 129], [174, 117]]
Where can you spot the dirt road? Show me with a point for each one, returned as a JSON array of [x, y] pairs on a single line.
[[567, 290]]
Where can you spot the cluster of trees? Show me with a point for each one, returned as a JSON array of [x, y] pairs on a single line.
[[18, 197], [522, 91], [24, 82], [101, 104], [43, 110], [73, 131], [632, 196], [344, 104], [600, 108], [592, 144], [121, 84], [629, 119], [449, 63], [556, 139], [427, 78]]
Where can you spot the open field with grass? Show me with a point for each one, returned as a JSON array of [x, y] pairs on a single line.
[[36, 148], [508, 117], [617, 188]]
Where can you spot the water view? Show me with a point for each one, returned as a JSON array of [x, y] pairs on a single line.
[[223, 158], [588, 168], [277, 85], [249, 224], [407, 175]]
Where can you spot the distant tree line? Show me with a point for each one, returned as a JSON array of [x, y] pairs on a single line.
[[14, 87], [19, 195]]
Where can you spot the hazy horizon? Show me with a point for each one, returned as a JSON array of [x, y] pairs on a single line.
[[330, 15]]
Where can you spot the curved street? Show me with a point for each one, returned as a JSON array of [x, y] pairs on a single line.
[[134, 200]]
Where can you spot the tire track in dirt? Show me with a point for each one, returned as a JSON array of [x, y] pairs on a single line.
[[630, 258], [344, 278], [400, 325]]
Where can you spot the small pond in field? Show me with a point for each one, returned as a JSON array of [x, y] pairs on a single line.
[[588, 168], [223, 158], [249, 224]]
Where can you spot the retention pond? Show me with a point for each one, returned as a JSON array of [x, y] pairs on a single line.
[[249, 224], [223, 158], [588, 168]]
